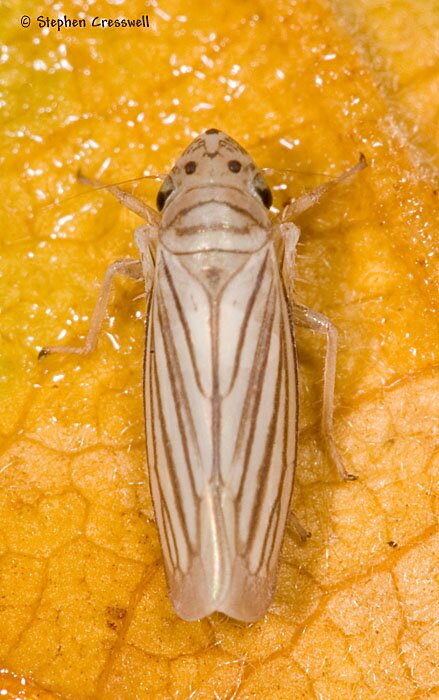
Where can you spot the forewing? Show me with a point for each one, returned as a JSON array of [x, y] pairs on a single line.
[[259, 444], [221, 420], [178, 390]]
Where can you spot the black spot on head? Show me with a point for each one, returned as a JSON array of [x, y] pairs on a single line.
[[234, 166], [266, 196], [161, 199], [212, 131], [165, 190], [190, 167], [260, 187]]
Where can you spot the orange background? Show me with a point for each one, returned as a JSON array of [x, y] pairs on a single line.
[[304, 85]]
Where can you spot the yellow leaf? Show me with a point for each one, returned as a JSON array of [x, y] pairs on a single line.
[[306, 86]]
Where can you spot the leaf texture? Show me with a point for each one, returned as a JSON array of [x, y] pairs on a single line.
[[306, 86]]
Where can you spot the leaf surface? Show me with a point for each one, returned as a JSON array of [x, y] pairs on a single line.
[[304, 86]]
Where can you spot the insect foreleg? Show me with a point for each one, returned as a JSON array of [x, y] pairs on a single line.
[[131, 268], [303, 316], [309, 199], [290, 234]]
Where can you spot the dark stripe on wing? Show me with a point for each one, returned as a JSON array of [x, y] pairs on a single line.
[[184, 323], [244, 324], [176, 380], [264, 476], [171, 472], [252, 400]]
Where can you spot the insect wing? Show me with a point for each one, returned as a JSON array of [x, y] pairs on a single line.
[[220, 387], [259, 449]]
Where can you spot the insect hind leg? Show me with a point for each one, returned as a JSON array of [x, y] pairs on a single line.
[[303, 316]]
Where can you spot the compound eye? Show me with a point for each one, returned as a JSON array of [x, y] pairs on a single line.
[[263, 191], [190, 167], [234, 166], [266, 196], [164, 192]]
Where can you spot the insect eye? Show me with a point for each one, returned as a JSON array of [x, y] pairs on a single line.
[[234, 166], [190, 167], [262, 190], [165, 190], [266, 196]]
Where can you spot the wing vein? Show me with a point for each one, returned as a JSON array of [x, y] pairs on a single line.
[[178, 388], [171, 472], [185, 326], [244, 324], [266, 460], [252, 400]]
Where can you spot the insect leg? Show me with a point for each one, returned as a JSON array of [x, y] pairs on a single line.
[[128, 200], [303, 316], [301, 531], [131, 268], [309, 199]]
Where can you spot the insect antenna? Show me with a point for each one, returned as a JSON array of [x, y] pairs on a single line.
[[97, 185], [280, 171]]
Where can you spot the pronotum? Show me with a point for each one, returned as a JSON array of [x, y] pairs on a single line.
[[221, 386]]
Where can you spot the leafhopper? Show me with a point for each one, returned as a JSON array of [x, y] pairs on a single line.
[[221, 380]]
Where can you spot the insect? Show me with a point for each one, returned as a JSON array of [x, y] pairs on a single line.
[[221, 387]]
